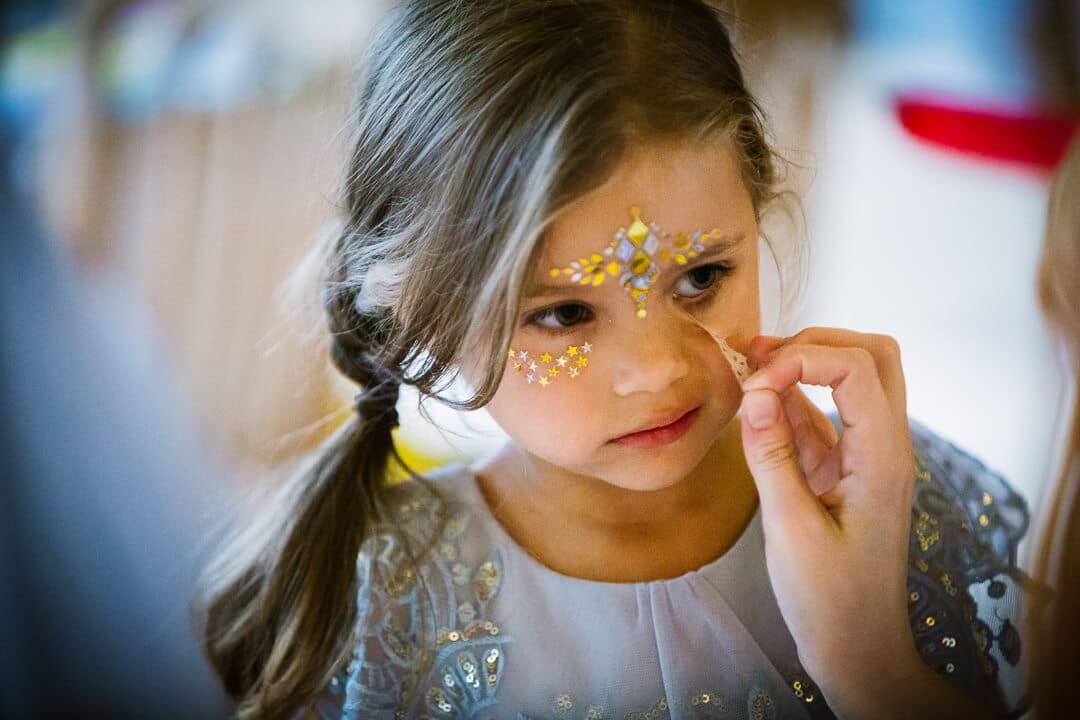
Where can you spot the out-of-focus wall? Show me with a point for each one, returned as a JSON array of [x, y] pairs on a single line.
[[206, 212]]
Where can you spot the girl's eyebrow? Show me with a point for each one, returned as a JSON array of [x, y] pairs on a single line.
[[720, 244], [540, 290]]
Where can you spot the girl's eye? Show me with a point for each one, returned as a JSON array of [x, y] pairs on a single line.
[[700, 280], [561, 316]]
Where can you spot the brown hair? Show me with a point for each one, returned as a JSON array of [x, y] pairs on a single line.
[[476, 123], [1056, 627]]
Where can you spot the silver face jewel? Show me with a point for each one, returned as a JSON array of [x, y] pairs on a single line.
[[634, 256]]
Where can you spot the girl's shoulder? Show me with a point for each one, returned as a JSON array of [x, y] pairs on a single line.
[[426, 527], [956, 492], [988, 511], [420, 517], [426, 556], [964, 585]]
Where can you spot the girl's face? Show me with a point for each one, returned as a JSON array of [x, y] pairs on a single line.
[[594, 363]]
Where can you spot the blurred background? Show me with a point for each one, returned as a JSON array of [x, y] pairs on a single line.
[[177, 159]]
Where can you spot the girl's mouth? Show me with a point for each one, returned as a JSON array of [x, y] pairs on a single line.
[[662, 435]]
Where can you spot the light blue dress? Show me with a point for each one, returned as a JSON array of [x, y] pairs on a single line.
[[484, 630]]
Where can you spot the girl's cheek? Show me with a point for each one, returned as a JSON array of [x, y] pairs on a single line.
[[556, 367], [545, 400]]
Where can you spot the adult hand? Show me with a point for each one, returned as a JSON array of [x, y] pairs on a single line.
[[836, 515]]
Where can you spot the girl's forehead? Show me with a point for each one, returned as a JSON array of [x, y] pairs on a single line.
[[680, 188]]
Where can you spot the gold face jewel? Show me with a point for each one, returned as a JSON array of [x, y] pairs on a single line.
[[634, 256], [549, 368]]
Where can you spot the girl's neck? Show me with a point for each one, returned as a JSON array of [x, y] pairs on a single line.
[[590, 529]]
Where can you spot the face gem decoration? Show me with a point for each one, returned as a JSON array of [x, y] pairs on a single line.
[[544, 369], [634, 255]]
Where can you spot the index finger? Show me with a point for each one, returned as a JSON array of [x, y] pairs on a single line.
[[849, 371], [884, 349]]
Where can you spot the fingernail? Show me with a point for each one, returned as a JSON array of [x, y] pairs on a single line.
[[756, 381], [762, 409]]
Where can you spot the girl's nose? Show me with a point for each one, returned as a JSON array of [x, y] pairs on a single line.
[[650, 362]]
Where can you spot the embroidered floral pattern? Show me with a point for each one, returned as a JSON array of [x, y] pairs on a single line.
[[962, 537], [701, 705], [402, 663]]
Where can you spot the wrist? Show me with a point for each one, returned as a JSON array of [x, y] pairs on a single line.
[[868, 680], [879, 689], [899, 690]]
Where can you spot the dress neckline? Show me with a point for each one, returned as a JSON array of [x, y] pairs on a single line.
[[712, 569]]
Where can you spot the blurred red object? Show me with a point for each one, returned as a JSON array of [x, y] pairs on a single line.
[[1032, 137]]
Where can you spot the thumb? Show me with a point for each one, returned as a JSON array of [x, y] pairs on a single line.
[[772, 456]]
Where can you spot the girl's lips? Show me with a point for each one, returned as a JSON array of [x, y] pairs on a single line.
[[664, 435]]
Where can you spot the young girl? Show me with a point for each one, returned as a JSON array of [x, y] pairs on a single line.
[[559, 202]]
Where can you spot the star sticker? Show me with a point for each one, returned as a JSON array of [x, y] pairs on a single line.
[[512, 353], [561, 361], [517, 367], [553, 371], [532, 366], [544, 381], [523, 355], [586, 348], [574, 372], [572, 350], [529, 378], [545, 358], [582, 361]]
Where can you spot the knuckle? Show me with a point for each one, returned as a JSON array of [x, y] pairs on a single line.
[[862, 359], [807, 334], [889, 348], [774, 454]]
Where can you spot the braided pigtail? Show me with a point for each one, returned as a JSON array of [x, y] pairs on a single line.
[[299, 578]]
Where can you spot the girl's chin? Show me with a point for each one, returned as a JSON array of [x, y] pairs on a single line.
[[653, 485], [648, 475]]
